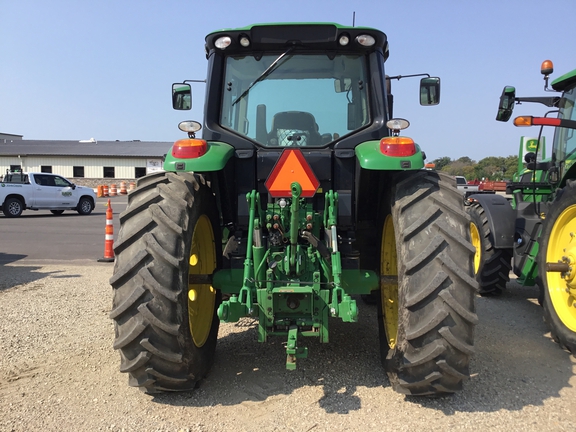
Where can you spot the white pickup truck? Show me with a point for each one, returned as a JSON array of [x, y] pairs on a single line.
[[462, 185], [43, 191]]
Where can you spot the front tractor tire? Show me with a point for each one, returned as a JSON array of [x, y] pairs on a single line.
[[491, 266], [166, 329], [558, 249], [427, 289]]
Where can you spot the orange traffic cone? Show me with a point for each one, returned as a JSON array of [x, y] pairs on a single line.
[[109, 238]]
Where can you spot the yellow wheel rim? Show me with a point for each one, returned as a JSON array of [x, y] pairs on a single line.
[[562, 248], [201, 298], [475, 239], [388, 290]]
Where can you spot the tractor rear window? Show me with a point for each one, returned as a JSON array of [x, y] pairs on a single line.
[[565, 138], [286, 99]]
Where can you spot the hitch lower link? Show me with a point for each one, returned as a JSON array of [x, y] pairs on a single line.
[[291, 302]]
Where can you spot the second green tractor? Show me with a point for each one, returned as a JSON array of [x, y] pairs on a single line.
[[534, 234]]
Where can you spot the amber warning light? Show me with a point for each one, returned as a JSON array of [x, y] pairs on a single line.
[[292, 167]]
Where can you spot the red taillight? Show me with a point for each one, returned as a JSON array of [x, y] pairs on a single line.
[[397, 146], [189, 148]]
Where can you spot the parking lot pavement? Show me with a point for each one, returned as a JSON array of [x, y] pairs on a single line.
[[40, 236]]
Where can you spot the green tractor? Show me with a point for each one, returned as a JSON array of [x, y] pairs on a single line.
[[300, 198], [493, 257], [538, 226]]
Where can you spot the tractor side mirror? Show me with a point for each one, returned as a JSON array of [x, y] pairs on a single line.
[[506, 105], [181, 96], [430, 91]]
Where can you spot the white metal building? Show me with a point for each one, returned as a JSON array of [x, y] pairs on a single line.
[[83, 159]]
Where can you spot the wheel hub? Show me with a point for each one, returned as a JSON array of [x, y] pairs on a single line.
[[570, 270]]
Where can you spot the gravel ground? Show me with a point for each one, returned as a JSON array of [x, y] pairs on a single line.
[[58, 371]]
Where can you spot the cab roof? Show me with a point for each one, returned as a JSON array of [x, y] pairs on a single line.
[[279, 36], [565, 81]]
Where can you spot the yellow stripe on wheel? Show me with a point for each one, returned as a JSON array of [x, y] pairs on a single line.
[[389, 291], [201, 298]]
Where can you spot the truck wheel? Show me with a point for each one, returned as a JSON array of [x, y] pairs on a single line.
[[12, 207], [427, 289], [85, 206], [166, 328], [491, 266], [557, 245]]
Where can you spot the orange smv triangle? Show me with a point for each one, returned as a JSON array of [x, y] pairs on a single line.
[[292, 167]]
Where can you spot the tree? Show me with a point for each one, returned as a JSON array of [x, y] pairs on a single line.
[[489, 168], [465, 160], [496, 167], [511, 164], [457, 168], [441, 162]]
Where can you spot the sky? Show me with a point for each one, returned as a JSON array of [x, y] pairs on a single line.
[[78, 69]]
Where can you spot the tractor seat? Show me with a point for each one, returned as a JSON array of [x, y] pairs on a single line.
[[294, 128]]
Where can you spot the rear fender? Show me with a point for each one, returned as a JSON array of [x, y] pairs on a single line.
[[17, 196], [371, 158], [501, 218], [214, 159]]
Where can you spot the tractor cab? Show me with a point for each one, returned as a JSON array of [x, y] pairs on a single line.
[[564, 144], [313, 86], [319, 90]]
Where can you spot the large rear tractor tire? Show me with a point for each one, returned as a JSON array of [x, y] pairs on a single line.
[[491, 266], [166, 329], [558, 246], [427, 289]]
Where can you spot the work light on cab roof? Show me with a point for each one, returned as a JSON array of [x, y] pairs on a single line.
[[366, 40], [344, 39], [223, 42], [245, 41]]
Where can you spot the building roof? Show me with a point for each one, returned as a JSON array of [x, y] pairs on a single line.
[[10, 136], [152, 149]]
